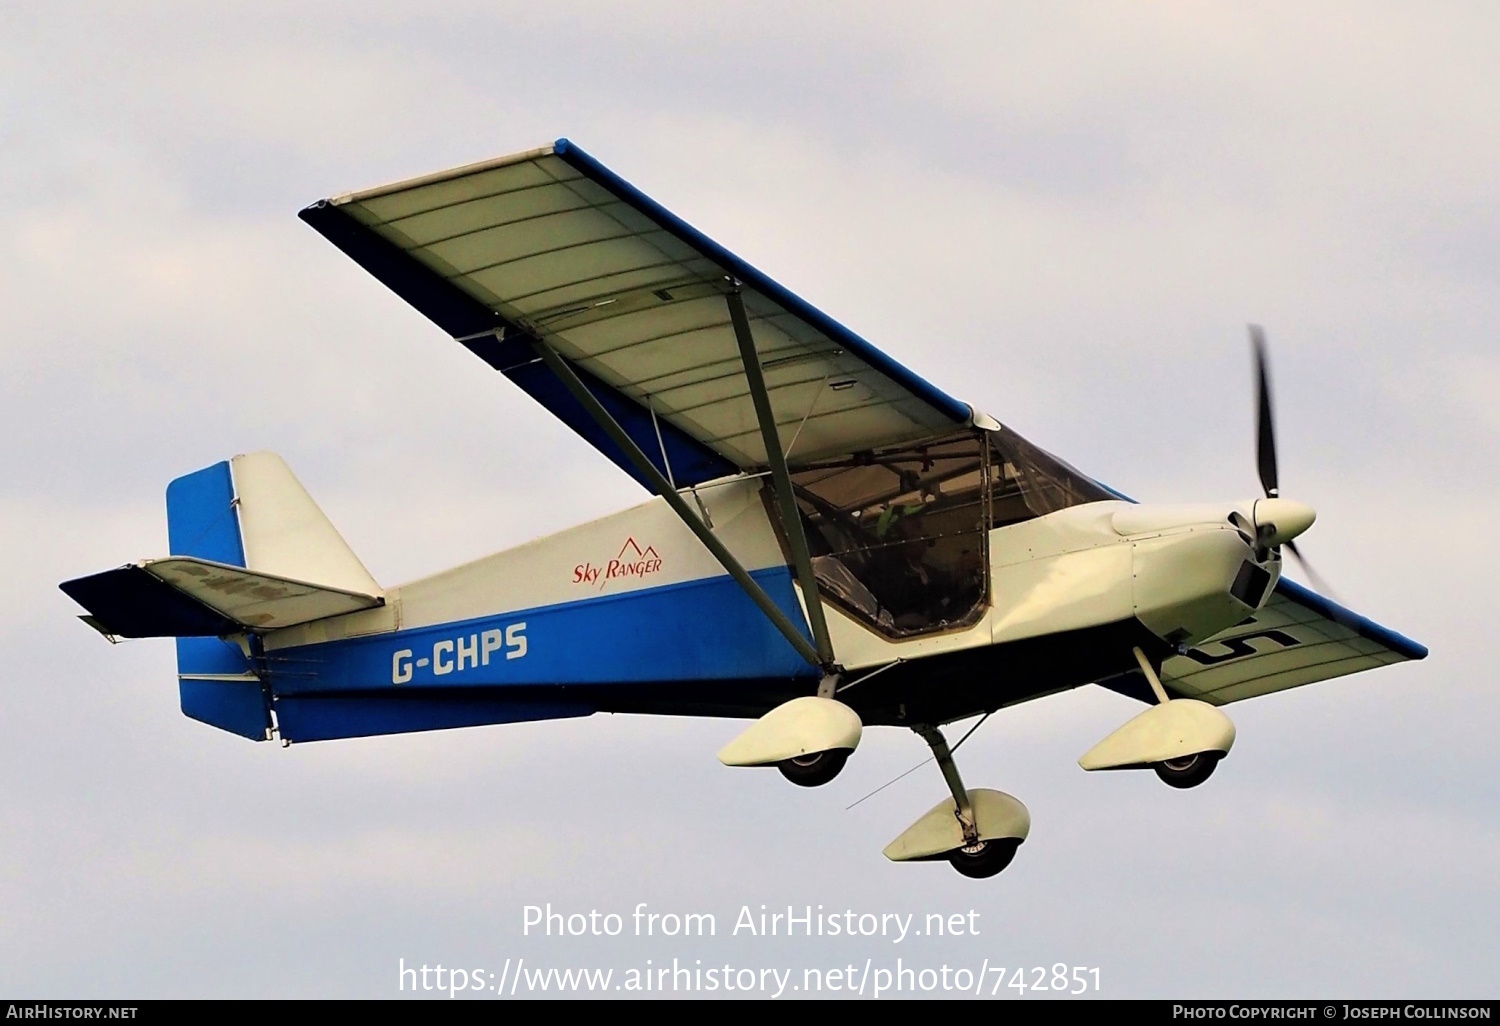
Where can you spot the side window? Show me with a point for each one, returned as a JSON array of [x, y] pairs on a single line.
[[1029, 482], [899, 536]]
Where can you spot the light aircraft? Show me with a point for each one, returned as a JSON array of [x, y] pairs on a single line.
[[832, 542]]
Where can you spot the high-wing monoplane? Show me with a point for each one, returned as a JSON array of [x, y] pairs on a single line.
[[832, 543]]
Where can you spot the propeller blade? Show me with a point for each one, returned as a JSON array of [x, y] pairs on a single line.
[[1265, 448], [1312, 575], [1265, 436]]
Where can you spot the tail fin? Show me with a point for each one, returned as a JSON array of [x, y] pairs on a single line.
[[250, 551], [252, 512]]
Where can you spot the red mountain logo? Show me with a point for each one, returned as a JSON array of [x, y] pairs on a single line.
[[637, 553], [633, 561]]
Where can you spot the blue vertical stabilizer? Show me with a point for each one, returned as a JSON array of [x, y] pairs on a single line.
[[215, 679], [201, 517]]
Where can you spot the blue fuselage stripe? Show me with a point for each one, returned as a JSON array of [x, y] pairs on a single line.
[[707, 629]]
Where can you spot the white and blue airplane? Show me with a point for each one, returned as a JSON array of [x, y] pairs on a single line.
[[832, 542]]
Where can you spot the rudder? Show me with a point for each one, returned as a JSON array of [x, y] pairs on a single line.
[[215, 681]]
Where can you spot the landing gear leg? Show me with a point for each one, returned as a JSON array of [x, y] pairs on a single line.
[[975, 858], [963, 811]]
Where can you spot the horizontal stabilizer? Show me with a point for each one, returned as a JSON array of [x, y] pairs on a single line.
[[182, 596], [128, 602]]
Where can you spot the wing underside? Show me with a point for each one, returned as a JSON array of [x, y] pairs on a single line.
[[552, 245], [1298, 638]]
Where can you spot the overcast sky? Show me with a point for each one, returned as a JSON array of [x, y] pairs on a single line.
[[1063, 214]]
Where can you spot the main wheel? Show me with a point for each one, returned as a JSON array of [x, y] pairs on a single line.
[[814, 770], [984, 859], [1189, 771]]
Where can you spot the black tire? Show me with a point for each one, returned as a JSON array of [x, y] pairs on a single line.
[[814, 770], [984, 859], [1188, 772]]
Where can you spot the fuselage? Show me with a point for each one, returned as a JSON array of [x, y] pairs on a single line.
[[631, 613]]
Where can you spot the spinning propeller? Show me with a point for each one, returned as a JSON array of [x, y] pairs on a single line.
[[1277, 521]]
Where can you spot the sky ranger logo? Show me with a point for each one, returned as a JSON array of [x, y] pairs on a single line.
[[633, 561]]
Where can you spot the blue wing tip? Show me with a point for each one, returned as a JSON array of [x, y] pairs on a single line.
[[561, 145], [1366, 627]]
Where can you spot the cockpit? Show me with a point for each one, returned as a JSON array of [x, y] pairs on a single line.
[[900, 537]]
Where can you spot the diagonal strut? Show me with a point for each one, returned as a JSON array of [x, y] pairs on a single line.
[[791, 518], [664, 488]]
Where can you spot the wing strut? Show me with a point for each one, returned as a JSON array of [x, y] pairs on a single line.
[[791, 518], [664, 488]]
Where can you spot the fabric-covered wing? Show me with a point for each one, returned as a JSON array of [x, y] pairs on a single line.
[[552, 244], [1298, 638]]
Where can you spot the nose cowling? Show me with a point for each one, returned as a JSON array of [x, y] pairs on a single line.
[[1278, 521]]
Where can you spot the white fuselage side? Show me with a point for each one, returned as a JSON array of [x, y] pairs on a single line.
[[1169, 567]]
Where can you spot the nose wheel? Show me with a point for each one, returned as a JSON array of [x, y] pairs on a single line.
[[976, 831], [983, 859]]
